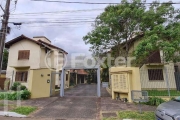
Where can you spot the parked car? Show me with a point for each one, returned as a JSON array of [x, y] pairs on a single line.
[[169, 110]]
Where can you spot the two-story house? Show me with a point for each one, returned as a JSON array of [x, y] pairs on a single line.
[[155, 73], [27, 57]]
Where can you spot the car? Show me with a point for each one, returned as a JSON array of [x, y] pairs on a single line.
[[169, 110]]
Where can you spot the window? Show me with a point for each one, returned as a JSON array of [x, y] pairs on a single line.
[[66, 77], [155, 74], [21, 76], [23, 54], [176, 68]]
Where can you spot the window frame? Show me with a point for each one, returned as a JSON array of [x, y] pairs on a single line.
[[23, 75], [155, 74], [23, 54]]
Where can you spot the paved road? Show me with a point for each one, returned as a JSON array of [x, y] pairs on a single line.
[[79, 103]]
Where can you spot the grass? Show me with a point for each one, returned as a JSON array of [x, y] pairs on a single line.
[[163, 93], [133, 115], [24, 110]]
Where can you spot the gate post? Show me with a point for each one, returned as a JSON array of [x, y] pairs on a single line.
[[62, 84], [98, 83]]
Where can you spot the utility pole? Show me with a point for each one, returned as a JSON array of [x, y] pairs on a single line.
[[3, 32]]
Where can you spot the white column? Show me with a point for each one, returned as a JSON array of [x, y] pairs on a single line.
[[62, 84], [98, 83]]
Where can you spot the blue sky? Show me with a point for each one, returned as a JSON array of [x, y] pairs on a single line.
[[66, 36]]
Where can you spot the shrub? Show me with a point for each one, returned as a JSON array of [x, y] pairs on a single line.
[[155, 101], [23, 95], [16, 85], [23, 87]]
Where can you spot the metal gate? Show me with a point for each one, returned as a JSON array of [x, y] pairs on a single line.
[[177, 79]]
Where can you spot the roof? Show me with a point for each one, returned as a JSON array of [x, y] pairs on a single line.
[[39, 42], [80, 71], [42, 37], [129, 42]]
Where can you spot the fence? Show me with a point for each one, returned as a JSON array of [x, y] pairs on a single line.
[[160, 81]]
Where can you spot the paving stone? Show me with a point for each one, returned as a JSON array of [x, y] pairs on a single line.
[[110, 114]]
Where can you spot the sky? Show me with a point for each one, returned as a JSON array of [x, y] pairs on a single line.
[[67, 33]]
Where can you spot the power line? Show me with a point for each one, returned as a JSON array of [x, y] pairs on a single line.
[[34, 13], [43, 22], [73, 2], [101, 2]]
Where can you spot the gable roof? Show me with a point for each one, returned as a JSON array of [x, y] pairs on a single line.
[[39, 42]]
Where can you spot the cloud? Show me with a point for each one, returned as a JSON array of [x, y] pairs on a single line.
[[65, 35]]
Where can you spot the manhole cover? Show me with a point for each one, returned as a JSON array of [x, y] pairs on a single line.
[[107, 115]]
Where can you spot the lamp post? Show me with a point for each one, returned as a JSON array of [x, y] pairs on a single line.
[[123, 22]]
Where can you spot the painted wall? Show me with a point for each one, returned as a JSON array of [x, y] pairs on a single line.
[[38, 84], [132, 81], [161, 84], [34, 59], [52, 59]]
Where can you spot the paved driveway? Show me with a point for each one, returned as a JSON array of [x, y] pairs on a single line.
[[79, 103]]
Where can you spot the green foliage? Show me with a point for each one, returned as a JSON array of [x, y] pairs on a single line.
[[92, 76], [163, 92], [158, 24], [24, 110], [23, 95], [16, 85], [155, 101], [23, 87], [114, 25], [5, 59], [136, 115], [105, 75]]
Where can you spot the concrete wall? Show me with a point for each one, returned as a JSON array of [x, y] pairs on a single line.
[[132, 78], [158, 84], [34, 59], [38, 84]]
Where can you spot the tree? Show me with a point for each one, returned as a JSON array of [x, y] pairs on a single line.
[[5, 59], [163, 35], [119, 23], [115, 25]]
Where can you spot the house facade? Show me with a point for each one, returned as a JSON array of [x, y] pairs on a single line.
[[27, 55], [155, 73]]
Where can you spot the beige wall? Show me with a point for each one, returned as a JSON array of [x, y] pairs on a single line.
[[134, 45], [54, 60], [161, 84], [132, 78], [34, 59], [38, 85]]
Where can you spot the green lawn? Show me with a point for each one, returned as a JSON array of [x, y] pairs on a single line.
[[133, 115], [163, 92], [24, 110]]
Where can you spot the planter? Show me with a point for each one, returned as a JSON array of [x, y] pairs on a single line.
[[105, 84]]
